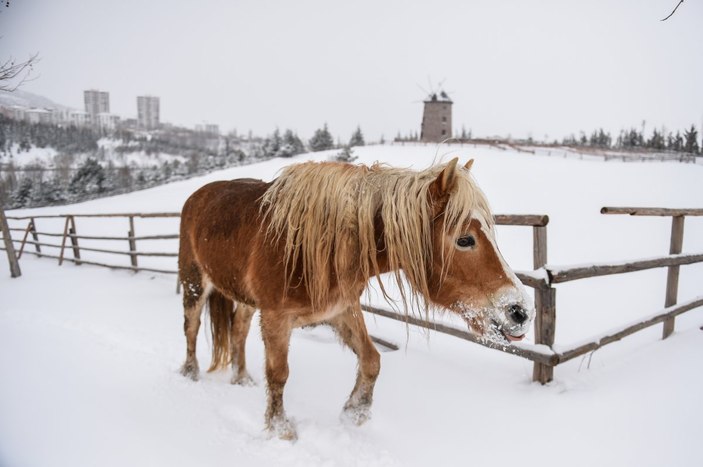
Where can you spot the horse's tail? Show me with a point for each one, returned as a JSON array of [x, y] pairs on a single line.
[[221, 324]]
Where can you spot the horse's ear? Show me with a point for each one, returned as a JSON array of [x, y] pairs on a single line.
[[469, 164], [445, 181]]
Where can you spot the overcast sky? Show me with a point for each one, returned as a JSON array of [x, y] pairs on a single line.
[[518, 67]]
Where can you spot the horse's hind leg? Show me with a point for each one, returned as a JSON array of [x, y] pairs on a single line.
[[276, 331], [351, 329], [195, 293], [240, 330]]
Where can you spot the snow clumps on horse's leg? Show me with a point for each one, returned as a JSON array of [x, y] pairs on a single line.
[[240, 331], [351, 329], [195, 293], [276, 335]]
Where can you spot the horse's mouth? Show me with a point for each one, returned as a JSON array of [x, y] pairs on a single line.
[[504, 336]]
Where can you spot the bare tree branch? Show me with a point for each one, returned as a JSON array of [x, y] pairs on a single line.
[[11, 70], [672, 13]]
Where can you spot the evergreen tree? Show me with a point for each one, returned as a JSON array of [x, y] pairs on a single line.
[[346, 155], [678, 142], [357, 138], [23, 194], [321, 140], [53, 192], [656, 141], [292, 145], [691, 141], [272, 144], [89, 179]]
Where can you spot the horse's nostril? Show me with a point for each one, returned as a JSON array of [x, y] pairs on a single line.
[[517, 313]]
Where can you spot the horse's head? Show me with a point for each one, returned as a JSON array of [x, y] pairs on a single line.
[[468, 273]]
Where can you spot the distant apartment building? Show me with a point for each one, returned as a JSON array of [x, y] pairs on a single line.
[[38, 116], [106, 121], [77, 118], [148, 112], [209, 128], [96, 102]]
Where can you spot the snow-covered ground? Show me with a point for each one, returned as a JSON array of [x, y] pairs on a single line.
[[90, 357]]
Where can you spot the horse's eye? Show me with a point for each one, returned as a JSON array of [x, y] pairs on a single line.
[[466, 242]]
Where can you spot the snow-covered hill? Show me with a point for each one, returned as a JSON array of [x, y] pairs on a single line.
[[90, 356], [27, 100]]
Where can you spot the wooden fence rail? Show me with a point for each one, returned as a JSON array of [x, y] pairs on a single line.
[[543, 278]]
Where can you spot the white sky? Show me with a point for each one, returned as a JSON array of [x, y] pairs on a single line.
[[522, 67]]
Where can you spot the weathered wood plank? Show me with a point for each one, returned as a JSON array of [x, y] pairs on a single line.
[[111, 266], [103, 237], [535, 279], [651, 211], [135, 214], [545, 356], [104, 250], [502, 219], [566, 274], [536, 220], [614, 336]]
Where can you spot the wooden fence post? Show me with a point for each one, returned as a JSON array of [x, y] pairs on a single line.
[[24, 239], [672, 277], [74, 241], [31, 228], [63, 242], [132, 242], [9, 246], [35, 236], [545, 307]]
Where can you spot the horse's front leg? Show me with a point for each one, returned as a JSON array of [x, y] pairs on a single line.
[[276, 331], [351, 329]]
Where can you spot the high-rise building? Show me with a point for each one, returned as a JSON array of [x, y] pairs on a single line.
[[148, 112], [96, 102], [437, 118]]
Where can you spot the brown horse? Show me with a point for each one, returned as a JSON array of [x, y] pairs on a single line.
[[302, 248]]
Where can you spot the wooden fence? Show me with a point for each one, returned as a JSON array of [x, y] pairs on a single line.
[[543, 278]]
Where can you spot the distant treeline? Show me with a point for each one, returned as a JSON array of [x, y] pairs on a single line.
[[83, 170], [632, 139], [86, 167]]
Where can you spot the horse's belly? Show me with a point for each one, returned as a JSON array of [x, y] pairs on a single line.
[[306, 319]]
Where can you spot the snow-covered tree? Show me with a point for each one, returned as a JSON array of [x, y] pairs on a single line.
[[272, 144], [23, 194], [357, 138], [346, 155], [292, 145], [321, 140], [89, 179]]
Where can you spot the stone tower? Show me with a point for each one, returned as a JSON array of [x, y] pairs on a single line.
[[437, 118]]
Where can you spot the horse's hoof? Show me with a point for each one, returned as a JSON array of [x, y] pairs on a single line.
[[356, 414], [243, 379], [191, 371], [283, 429]]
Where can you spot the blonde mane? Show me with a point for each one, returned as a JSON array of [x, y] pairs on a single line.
[[325, 212]]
